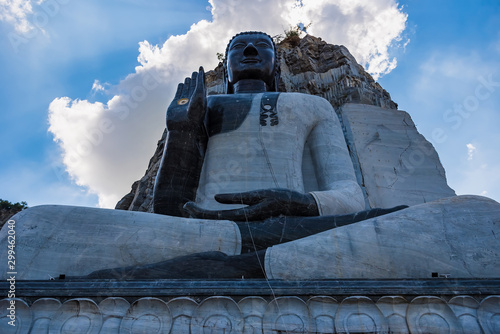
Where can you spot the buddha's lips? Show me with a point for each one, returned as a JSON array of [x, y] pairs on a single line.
[[250, 61]]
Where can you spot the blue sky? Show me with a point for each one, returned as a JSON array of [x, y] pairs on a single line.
[[97, 76]]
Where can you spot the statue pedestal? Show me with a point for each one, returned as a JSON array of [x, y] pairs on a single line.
[[255, 306]]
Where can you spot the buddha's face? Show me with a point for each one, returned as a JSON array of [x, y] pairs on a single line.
[[250, 57]]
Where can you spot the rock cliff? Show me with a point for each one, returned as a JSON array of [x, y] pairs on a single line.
[[315, 67]]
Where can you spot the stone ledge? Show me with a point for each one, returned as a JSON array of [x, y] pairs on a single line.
[[250, 306], [255, 287]]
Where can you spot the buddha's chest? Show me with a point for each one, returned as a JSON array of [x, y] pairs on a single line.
[[253, 146], [248, 116]]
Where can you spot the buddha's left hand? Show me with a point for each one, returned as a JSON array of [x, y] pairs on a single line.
[[261, 204]]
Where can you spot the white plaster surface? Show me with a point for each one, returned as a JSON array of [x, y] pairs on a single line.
[[287, 315], [430, 314], [77, 315], [220, 314], [459, 236], [322, 310], [262, 157], [43, 310], [398, 165], [54, 239], [394, 309], [465, 309], [359, 314], [147, 315], [217, 315]]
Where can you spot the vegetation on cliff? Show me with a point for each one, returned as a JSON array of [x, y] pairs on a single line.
[[8, 209]]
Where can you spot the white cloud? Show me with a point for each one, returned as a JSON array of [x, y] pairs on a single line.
[[107, 146], [470, 151], [367, 28], [97, 86], [16, 12]]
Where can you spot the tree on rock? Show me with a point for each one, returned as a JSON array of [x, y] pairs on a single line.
[[8, 209]]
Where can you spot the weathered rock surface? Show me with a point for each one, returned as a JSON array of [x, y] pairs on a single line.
[[394, 163], [330, 71], [140, 197]]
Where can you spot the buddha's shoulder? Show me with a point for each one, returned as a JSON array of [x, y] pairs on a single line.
[[305, 98], [314, 105], [291, 95], [230, 99], [285, 98], [218, 98]]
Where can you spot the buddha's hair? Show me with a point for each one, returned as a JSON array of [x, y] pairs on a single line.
[[250, 33], [276, 71]]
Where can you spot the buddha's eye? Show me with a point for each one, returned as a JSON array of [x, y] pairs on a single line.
[[237, 46], [263, 44]]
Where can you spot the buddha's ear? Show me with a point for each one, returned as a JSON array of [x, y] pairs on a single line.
[[228, 87], [277, 81], [277, 76]]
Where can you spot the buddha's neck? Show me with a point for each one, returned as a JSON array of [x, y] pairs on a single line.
[[249, 86]]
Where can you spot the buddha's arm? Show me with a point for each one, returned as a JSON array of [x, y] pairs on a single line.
[[339, 192], [179, 173]]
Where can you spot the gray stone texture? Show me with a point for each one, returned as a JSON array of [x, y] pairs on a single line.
[[456, 236], [395, 164], [70, 240], [287, 314]]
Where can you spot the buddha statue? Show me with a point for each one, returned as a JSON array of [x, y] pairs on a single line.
[[258, 183]]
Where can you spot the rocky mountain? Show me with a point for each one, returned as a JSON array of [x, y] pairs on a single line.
[[312, 66]]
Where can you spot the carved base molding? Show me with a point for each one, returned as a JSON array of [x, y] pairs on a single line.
[[179, 306]]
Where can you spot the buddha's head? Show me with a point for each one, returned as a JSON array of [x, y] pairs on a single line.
[[251, 55]]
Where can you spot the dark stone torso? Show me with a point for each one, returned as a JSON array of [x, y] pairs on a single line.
[[227, 112]]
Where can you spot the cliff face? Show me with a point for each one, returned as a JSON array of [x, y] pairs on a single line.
[[330, 71], [312, 66]]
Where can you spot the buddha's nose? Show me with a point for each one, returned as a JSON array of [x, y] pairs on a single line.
[[250, 50]]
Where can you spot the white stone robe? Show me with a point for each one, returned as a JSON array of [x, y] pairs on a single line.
[[305, 152]]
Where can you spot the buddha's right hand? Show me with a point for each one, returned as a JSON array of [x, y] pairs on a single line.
[[187, 111]]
